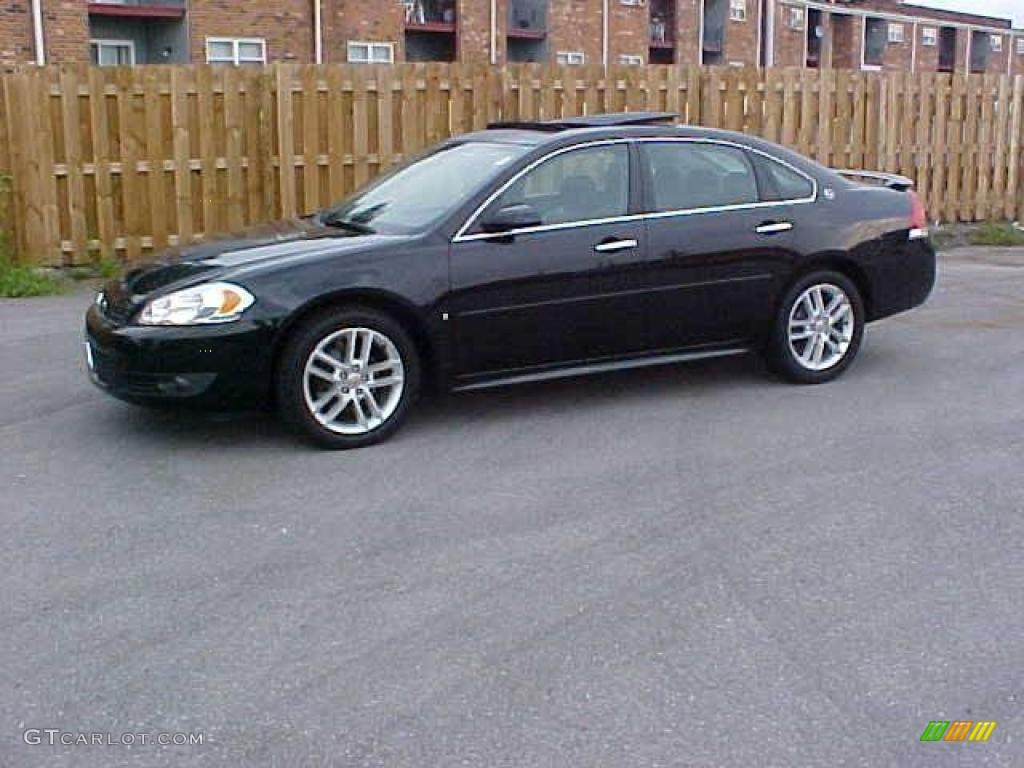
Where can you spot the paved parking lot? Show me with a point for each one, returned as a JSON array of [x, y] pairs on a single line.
[[692, 566]]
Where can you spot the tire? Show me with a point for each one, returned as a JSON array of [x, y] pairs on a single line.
[[334, 392], [838, 337]]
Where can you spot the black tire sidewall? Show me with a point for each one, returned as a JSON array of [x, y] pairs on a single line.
[[781, 356], [303, 340]]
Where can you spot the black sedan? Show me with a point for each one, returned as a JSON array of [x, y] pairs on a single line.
[[523, 252]]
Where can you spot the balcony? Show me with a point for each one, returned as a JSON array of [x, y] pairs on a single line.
[[139, 9], [662, 25], [430, 16]]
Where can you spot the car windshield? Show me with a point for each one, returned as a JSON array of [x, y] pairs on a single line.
[[425, 190]]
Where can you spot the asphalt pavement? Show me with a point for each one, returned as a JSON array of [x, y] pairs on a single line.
[[687, 566]]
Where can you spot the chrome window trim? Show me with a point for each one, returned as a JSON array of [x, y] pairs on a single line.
[[462, 237]]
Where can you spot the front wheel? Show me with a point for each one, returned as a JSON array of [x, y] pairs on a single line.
[[818, 328], [348, 378]]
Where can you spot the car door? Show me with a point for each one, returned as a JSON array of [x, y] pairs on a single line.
[[716, 247], [563, 290]]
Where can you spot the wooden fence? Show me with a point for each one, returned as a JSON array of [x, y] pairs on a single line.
[[116, 163]]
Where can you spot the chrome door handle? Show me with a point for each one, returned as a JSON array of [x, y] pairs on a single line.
[[615, 245], [774, 227]]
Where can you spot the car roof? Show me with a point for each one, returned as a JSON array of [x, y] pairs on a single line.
[[544, 136]]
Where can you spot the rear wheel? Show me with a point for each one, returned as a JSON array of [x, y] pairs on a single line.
[[348, 377], [818, 328]]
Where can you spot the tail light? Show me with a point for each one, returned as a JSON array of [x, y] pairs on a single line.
[[918, 217]]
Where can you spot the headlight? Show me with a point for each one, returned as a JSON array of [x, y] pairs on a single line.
[[201, 305]]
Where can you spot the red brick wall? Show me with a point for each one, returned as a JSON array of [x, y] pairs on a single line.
[[346, 20], [741, 38], [789, 42], [16, 34], [286, 25], [687, 36], [575, 25], [66, 27], [928, 56], [629, 30], [474, 20]]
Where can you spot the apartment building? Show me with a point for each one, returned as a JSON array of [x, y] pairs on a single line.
[[852, 34]]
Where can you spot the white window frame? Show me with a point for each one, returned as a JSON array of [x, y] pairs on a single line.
[[737, 10], [797, 18], [631, 60], [236, 43], [107, 42], [633, 3], [995, 44], [1020, 46], [570, 58], [371, 46], [930, 36], [896, 33]]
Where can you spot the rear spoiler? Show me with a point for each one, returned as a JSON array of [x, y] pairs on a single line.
[[890, 180]]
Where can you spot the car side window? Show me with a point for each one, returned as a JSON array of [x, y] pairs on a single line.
[[779, 182], [578, 185], [690, 175]]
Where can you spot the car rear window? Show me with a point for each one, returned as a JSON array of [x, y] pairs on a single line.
[[692, 175], [779, 182]]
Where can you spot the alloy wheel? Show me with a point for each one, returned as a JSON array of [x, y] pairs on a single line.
[[821, 327], [353, 380]]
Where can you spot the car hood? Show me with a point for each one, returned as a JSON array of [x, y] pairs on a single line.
[[266, 243]]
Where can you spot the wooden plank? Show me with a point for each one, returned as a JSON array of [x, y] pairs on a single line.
[[360, 118], [386, 116], [1014, 201], [15, 92], [335, 134], [72, 124], [42, 154], [152, 84], [102, 158], [131, 121], [997, 206], [181, 84], [955, 139], [308, 76], [233, 149], [938, 161], [285, 141]]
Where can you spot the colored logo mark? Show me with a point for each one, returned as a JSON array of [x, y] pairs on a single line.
[[958, 730]]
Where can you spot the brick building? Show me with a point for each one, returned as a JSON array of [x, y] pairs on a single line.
[[855, 34]]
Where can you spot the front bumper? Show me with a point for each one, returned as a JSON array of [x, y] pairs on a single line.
[[218, 366]]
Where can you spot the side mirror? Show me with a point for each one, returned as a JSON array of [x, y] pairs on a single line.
[[511, 217]]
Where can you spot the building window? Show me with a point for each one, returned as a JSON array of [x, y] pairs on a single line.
[[371, 53], [929, 36], [236, 50], [635, 3], [875, 38], [896, 33], [112, 53], [1020, 47], [631, 60], [796, 18], [738, 10], [573, 58], [997, 44]]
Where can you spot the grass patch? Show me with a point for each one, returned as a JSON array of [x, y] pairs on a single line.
[[18, 281], [1001, 234]]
